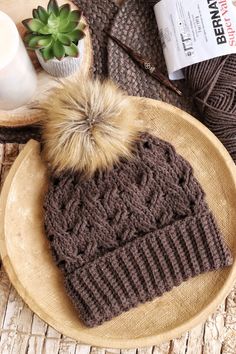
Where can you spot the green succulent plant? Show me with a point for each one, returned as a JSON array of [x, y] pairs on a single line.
[[54, 31]]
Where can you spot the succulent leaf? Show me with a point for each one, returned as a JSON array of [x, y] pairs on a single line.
[[64, 11], [53, 22], [75, 15], [25, 23], [76, 35], [72, 50], [69, 27], [43, 15], [45, 30], [35, 14], [33, 42], [28, 36], [53, 7], [64, 38], [45, 41], [47, 53], [58, 50], [33, 24]]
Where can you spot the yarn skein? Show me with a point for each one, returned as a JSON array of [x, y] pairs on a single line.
[[213, 83]]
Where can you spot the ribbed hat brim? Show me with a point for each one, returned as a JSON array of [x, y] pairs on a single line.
[[146, 268]]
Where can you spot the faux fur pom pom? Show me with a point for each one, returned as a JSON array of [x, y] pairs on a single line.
[[88, 125]]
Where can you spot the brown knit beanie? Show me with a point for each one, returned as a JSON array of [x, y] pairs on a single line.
[[123, 227]]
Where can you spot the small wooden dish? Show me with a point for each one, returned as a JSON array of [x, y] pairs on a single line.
[[25, 115], [28, 262]]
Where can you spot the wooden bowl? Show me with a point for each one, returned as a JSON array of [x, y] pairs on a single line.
[[19, 10], [28, 262]]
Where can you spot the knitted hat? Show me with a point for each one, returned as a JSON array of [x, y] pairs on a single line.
[[125, 217]]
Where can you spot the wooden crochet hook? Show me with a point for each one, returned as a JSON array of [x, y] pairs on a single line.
[[146, 65]]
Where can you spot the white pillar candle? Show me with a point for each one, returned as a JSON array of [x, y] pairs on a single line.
[[18, 79]]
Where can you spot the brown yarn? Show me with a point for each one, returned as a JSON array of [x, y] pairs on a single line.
[[131, 233], [214, 85]]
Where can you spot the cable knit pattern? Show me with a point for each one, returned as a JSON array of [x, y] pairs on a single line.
[[130, 234]]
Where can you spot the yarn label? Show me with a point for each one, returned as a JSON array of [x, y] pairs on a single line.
[[192, 31]]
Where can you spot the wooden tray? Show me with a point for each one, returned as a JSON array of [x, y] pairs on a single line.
[[27, 260], [19, 10]]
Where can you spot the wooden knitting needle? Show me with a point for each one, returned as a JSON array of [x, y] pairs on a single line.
[[147, 65]]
